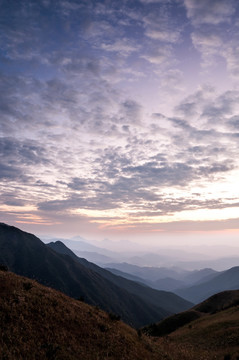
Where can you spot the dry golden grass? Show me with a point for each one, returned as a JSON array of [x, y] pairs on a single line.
[[40, 323], [210, 337]]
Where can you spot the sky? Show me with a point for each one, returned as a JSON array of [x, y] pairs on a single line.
[[120, 119]]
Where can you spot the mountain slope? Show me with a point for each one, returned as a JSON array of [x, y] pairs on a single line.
[[26, 255], [40, 323], [148, 272], [212, 336], [214, 304], [128, 276], [198, 276], [208, 331], [166, 300], [227, 280]]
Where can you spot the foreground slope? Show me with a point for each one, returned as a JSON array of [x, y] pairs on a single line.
[[26, 255], [208, 331], [41, 323]]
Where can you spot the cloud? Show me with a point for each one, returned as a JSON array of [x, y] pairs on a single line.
[[154, 1], [158, 56], [84, 86], [233, 122], [11, 172], [20, 158], [151, 174], [12, 199], [22, 152], [213, 35], [211, 12], [231, 53], [163, 35], [121, 46]]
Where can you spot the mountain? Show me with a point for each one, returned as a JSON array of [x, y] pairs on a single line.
[[94, 257], [166, 257], [26, 255], [128, 276], [79, 244], [197, 276], [40, 323], [168, 284], [148, 272], [86, 250], [219, 264], [226, 280], [212, 305], [165, 300], [163, 283], [208, 331], [162, 278]]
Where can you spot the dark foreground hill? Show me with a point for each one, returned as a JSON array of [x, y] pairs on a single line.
[[27, 255], [41, 323], [208, 331]]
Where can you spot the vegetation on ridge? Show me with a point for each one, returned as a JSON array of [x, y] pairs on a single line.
[[41, 323], [208, 331]]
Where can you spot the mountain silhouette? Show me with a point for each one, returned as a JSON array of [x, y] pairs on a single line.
[[26, 255]]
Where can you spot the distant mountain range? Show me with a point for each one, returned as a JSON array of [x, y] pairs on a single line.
[[226, 280], [194, 286], [165, 300], [168, 279], [26, 255], [178, 258]]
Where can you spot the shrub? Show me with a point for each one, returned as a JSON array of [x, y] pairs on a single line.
[[227, 357], [3, 267], [139, 332], [114, 317], [27, 285]]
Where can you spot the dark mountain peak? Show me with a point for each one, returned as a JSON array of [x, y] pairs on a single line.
[[61, 248]]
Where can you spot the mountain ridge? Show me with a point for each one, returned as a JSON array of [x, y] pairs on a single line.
[[27, 255], [164, 299], [226, 280]]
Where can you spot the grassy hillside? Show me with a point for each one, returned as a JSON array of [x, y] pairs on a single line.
[[41, 323], [214, 304], [210, 331], [210, 337]]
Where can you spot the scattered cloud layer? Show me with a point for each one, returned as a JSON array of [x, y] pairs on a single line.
[[119, 115]]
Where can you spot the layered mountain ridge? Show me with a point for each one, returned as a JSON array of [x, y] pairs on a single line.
[[26, 255]]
